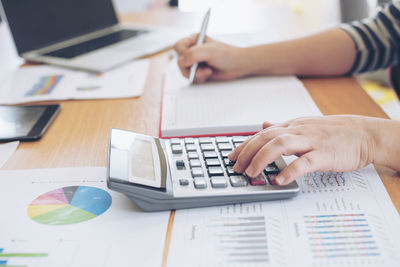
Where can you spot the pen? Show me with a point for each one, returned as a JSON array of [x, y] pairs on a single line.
[[200, 40]]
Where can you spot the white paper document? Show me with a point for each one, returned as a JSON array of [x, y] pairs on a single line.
[[250, 38], [338, 219], [6, 151], [230, 107], [44, 83], [68, 217]]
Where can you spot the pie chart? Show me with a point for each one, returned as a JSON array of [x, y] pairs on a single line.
[[69, 205]]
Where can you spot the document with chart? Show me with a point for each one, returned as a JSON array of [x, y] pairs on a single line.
[[338, 219], [68, 218], [46, 83]]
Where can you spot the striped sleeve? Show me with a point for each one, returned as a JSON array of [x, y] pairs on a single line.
[[377, 39]]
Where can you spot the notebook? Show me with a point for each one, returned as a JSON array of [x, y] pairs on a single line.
[[230, 108]]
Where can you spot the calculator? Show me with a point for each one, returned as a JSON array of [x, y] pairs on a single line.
[[163, 174]]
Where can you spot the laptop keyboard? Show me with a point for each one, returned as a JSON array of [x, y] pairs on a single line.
[[207, 158], [94, 44]]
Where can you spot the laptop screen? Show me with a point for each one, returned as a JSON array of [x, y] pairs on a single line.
[[35, 24]]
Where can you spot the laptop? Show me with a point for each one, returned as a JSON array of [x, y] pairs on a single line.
[[81, 34]]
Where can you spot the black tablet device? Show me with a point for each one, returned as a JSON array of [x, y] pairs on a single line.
[[25, 123]]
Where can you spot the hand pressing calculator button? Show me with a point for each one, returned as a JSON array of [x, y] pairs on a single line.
[[162, 174]]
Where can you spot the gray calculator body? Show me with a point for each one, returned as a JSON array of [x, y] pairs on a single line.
[[162, 174]]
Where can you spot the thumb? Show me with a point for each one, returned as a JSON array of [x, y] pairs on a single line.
[[308, 162]]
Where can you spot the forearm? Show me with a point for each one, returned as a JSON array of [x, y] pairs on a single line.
[[386, 142], [328, 53]]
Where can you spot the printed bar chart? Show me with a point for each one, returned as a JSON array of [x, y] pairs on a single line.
[[88, 88], [14, 258], [241, 239], [340, 236], [45, 85], [333, 182]]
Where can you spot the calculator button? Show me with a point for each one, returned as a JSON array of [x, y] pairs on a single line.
[[189, 140], [271, 179], [200, 183], [271, 169], [225, 153], [222, 139], [175, 141], [259, 180], [228, 162], [237, 144], [191, 148], [184, 182], [195, 163], [212, 162], [180, 165], [193, 155], [230, 171], [218, 182], [197, 172], [207, 147], [225, 146], [205, 140], [210, 154], [238, 139], [214, 171], [238, 181], [176, 149]]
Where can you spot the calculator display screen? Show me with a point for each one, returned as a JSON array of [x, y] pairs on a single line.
[[142, 164], [136, 159]]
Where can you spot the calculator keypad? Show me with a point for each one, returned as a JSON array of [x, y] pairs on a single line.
[[203, 164]]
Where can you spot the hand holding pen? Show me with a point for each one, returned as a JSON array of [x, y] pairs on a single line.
[[219, 61]]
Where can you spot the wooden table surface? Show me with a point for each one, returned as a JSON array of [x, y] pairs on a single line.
[[79, 136]]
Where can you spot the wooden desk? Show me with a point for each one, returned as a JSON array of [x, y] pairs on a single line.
[[79, 135]]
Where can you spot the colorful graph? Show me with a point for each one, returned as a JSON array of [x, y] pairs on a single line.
[[7, 257], [88, 88], [69, 205], [333, 181], [340, 236], [45, 85]]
